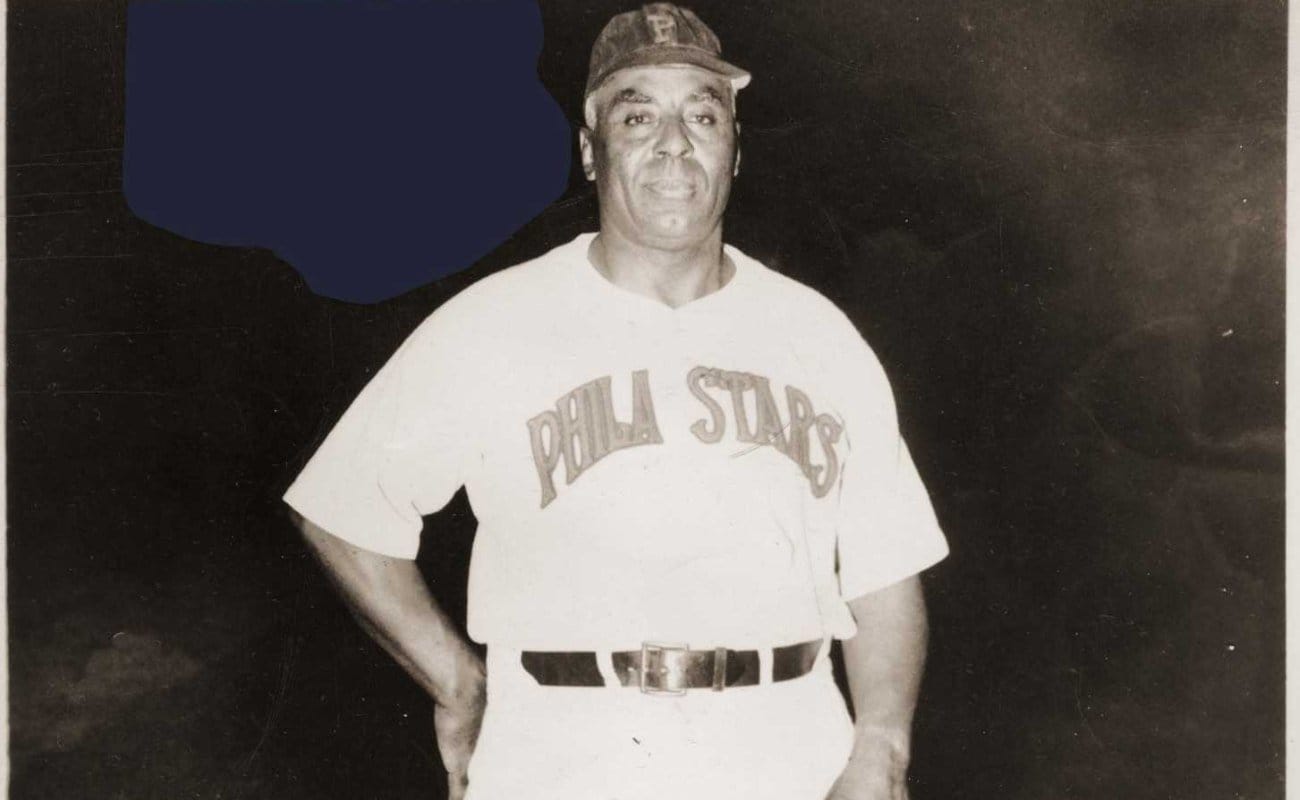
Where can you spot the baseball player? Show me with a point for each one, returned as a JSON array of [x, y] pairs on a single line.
[[688, 479]]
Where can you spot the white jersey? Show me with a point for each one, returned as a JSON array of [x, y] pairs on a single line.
[[724, 474]]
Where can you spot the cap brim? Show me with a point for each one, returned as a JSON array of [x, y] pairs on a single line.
[[672, 56]]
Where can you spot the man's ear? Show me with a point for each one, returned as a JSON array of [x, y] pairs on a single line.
[[736, 167], [588, 155], [735, 170]]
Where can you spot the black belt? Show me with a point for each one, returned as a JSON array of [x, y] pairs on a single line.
[[671, 669]]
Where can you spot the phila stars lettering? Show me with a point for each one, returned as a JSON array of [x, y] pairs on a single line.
[[582, 429], [791, 437]]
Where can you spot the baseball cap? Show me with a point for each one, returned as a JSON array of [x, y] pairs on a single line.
[[658, 33]]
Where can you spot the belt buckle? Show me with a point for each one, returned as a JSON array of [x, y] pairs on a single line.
[[663, 668]]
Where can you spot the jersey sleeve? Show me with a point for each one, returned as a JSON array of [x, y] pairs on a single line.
[[887, 529], [397, 452]]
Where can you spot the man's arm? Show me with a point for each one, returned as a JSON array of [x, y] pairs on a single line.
[[390, 599], [884, 663]]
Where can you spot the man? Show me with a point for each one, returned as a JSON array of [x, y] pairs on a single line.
[[688, 478]]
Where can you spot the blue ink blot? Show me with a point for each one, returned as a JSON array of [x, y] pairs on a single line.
[[375, 145]]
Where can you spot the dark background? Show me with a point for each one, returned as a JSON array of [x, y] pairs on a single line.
[[1058, 223]]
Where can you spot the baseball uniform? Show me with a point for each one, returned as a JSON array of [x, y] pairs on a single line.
[[723, 474]]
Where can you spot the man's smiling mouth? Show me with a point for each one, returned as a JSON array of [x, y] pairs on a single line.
[[672, 187]]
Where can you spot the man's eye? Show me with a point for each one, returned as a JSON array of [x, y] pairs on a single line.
[[705, 119], [636, 119]]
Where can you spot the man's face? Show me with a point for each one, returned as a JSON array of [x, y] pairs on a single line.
[[662, 151]]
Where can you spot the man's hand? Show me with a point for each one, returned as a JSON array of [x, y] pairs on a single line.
[[877, 770], [456, 723]]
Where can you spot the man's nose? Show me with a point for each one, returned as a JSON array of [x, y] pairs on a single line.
[[674, 140]]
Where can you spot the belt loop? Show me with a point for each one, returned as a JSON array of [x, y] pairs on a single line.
[[605, 663], [765, 658], [719, 669]]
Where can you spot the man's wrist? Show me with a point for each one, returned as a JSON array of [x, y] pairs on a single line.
[[874, 735], [462, 683]]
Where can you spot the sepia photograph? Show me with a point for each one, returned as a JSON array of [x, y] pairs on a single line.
[[532, 399]]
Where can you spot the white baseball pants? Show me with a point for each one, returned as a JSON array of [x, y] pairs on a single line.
[[784, 741]]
